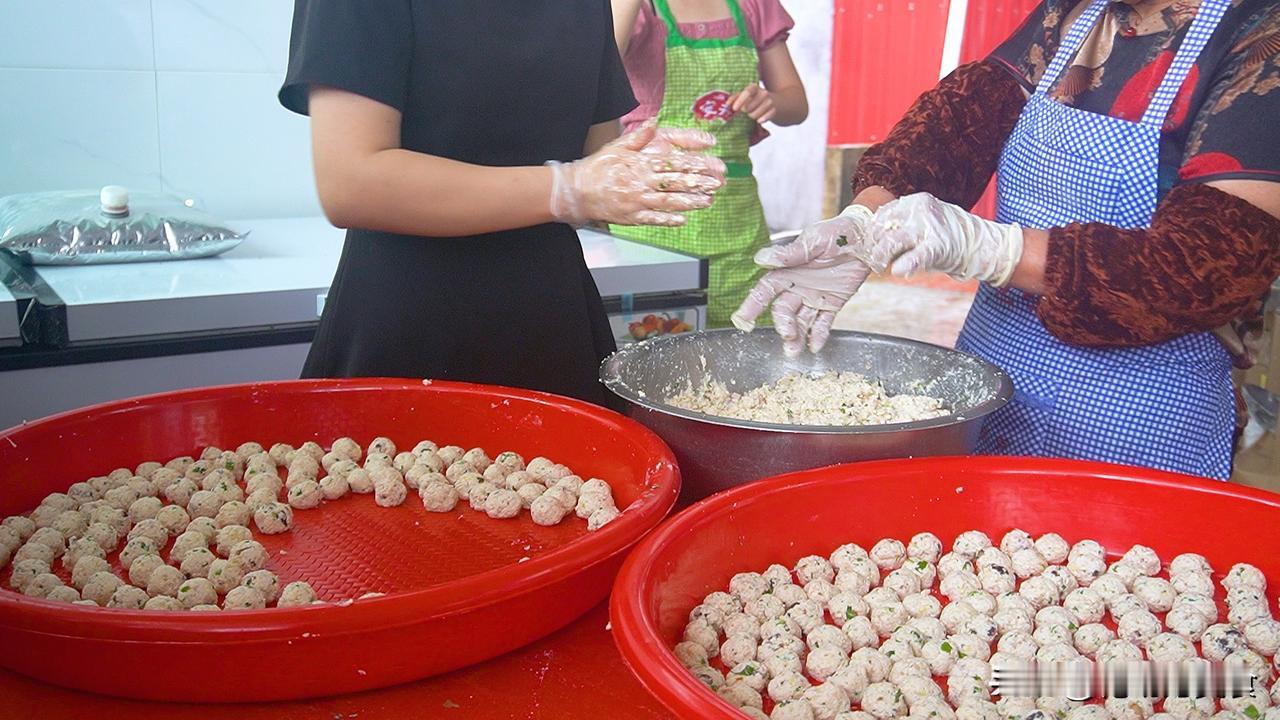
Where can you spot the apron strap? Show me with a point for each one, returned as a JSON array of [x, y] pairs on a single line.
[[738, 20], [675, 38], [1197, 37], [673, 28], [1071, 44]]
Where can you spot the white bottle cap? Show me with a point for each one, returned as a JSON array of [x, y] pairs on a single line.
[[114, 199]]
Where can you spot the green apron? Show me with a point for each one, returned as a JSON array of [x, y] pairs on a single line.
[[701, 75]]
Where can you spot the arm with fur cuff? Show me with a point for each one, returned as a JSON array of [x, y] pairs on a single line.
[[1206, 259], [948, 144]]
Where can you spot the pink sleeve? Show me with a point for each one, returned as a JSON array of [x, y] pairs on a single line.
[[768, 22], [645, 62]]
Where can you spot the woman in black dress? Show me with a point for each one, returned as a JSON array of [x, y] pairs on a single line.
[[431, 123]]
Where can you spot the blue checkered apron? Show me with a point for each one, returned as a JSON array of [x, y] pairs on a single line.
[[1166, 406]]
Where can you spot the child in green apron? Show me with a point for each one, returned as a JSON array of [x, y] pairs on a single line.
[[711, 81]]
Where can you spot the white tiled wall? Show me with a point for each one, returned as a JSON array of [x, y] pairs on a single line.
[[151, 94], [181, 95]]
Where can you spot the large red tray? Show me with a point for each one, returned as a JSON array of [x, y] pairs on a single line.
[[782, 519], [456, 589], [572, 674]]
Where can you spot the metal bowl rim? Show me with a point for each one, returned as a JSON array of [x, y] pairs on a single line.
[[611, 379]]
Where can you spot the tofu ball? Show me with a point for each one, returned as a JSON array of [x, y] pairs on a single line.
[[164, 580], [296, 594], [249, 555], [883, 701], [224, 575], [502, 503], [196, 592], [145, 509], [602, 517], [1143, 559], [137, 547], [243, 598], [163, 603], [230, 536], [85, 568], [438, 496], [1189, 562], [306, 495], [197, 562], [233, 512], [265, 582], [128, 597], [173, 518], [271, 519], [888, 554]]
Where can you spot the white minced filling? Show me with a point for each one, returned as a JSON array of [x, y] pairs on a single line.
[[830, 398]]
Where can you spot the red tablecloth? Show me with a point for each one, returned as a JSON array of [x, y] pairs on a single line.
[[575, 673]]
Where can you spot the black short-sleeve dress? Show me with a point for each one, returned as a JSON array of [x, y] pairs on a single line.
[[492, 82]]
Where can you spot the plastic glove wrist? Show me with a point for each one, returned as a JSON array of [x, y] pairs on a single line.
[[1013, 243], [565, 207], [920, 232], [858, 211]]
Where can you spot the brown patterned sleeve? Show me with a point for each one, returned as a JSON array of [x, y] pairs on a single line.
[[1206, 259], [948, 144]]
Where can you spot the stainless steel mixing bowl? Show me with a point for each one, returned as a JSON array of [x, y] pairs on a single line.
[[716, 453]]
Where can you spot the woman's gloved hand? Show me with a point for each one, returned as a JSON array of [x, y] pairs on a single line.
[[920, 232], [810, 279], [646, 177]]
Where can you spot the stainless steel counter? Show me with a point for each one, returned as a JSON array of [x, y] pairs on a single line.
[[102, 332]]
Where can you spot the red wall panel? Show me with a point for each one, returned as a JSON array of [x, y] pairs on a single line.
[[987, 24], [884, 53]]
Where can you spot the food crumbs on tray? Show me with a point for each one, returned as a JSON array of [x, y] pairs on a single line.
[[608, 627], [344, 602], [523, 559], [368, 595], [306, 635], [959, 489], [426, 381], [451, 704], [361, 672]]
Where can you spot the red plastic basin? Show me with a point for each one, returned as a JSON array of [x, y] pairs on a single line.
[[781, 519], [459, 587]]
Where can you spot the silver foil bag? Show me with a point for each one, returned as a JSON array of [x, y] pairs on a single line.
[[76, 228]]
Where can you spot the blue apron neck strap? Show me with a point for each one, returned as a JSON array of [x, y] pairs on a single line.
[[1193, 43], [1071, 43]]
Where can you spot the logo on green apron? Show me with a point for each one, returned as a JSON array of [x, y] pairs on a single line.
[[713, 106]]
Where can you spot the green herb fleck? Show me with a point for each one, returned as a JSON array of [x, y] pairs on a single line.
[[922, 564], [849, 614], [748, 671], [1252, 712], [842, 240], [946, 646], [1072, 627], [960, 654], [897, 696]]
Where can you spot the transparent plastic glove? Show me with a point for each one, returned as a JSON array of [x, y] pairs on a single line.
[[810, 279], [920, 232], [646, 177]]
